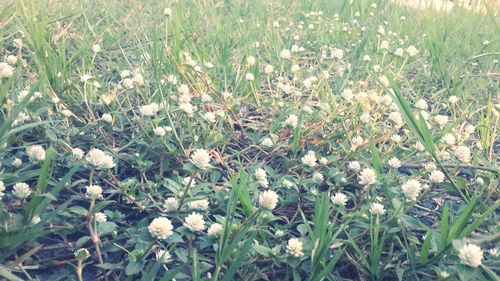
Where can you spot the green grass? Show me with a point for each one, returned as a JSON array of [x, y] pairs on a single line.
[[61, 94]]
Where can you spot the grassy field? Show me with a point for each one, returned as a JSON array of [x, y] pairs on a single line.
[[248, 140]]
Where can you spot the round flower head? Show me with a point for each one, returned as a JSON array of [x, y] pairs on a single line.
[[471, 255], [339, 199], [436, 176], [201, 204], [294, 248], [94, 191], [36, 153], [149, 109], [2, 189], [101, 217], [354, 166], [309, 159], [411, 189], [463, 154], [394, 163], [269, 69], [268, 199], [21, 190], [77, 153], [267, 142], [17, 162], [286, 183], [249, 77], [215, 229], [160, 228], [367, 176], [377, 209], [292, 121], [201, 158], [171, 204], [99, 159], [163, 256], [194, 222]]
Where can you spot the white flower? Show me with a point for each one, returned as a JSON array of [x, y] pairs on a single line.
[[260, 174], [419, 146], [436, 176], [21, 191], [429, 167], [17, 162], [399, 52], [268, 199], [354, 166], [210, 117], [411, 189], [367, 176], [269, 69], [294, 248], [251, 60], [463, 153], [347, 94], [215, 229], [99, 159], [318, 176], [167, 12], [377, 209], [323, 160], [106, 117], [267, 142], [309, 159], [194, 222], [6, 70], [201, 204], [163, 256], [160, 228], [77, 153], [441, 120], [412, 51], [101, 217], [188, 108], [94, 191], [159, 131], [12, 60], [471, 255], [339, 199], [36, 153], [286, 183], [201, 158], [494, 252], [2, 189], [96, 48], [421, 104], [149, 109], [357, 141], [285, 54], [453, 99], [384, 45], [249, 77], [396, 118], [292, 120], [171, 204], [295, 68], [396, 138], [394, 163]]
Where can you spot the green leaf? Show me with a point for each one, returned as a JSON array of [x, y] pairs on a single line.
[[424, 252], [376, 162], [134, 267], [241, 256], [443, 242]]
